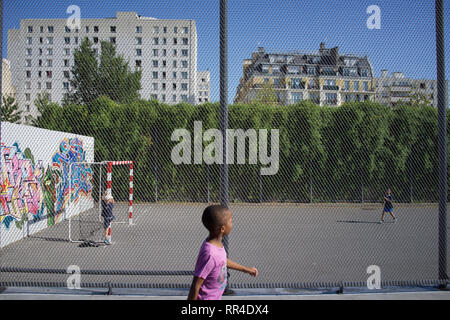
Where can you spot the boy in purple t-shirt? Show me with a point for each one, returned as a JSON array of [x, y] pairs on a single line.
[[210, 275]]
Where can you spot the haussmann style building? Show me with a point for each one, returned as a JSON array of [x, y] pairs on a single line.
[[325, 77]]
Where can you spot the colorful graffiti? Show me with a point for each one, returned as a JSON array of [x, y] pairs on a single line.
[[70, 178], [28, 190]]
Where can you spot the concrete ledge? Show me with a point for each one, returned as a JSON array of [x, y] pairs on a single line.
[[413, 293]]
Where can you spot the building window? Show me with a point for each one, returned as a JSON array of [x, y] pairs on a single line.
[[155, 63], [297, 97], [174, 86], [155, 52], [29, 40], [96, 29], [174, 63], [366, 86], [28, 85], [156, 29], [185, 30], [138, 63], [67, 52], [28, 63], [297, 83], [48, 85], [155, 86], [164, 52], [164, 98], [164, 86], [174, 98], [138, 41], [165, 29], [28, 107], [50, 52], [184, 87], [156, 41], [27, 97], [112, 40], [331, 98], [364, 72], [113, 29], [265, 69], [49, 63], [39, 86], [175, 52], [87, 29], [28, 73], [347, 85], [164, 41], [29, 52], [184, 98], [49, 74], [76, 40], [155, 75], [164, 75], [349, 72], [184, 75], [49, 40], [66, 85], [66, 74], [67, 29], [311, 70], [30, 29], [175, 41], [184, 64], [293, 69], [139, 52], [138, 29], [67, 40], [174, 75], [356, 86], [50, 29], [164, 63], [41, 40], [175, 30]]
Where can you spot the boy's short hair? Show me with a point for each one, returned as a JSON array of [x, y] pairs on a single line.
[[214, 216]]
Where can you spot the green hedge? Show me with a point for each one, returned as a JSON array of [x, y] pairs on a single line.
[[327, 154]]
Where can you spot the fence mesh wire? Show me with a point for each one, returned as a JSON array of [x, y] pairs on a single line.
[[344, 93]]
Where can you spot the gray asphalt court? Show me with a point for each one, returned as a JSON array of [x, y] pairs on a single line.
[[291, 245]]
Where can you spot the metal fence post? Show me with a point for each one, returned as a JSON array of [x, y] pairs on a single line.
[[224, 110], [442, 139]]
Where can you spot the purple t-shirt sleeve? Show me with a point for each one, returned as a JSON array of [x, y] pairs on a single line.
[[205, 264]]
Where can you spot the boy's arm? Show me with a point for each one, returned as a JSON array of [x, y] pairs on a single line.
[[195, 288], [236, 266]]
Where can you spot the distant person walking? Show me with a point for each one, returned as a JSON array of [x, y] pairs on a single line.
[[388, 206]]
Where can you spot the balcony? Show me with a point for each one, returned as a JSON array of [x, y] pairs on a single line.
[[331, 88]]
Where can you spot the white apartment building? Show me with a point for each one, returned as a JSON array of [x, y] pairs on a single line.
[[397, 89], [7, 86], [203, 87], [41, 55]]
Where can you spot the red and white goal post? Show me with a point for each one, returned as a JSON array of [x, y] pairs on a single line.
[[110, 165]]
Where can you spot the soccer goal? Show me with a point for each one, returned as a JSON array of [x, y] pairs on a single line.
[[89, 183]]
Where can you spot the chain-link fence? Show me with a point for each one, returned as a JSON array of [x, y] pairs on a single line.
[[329, 106]]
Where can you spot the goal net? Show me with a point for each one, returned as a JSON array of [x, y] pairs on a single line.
[[89, 184]]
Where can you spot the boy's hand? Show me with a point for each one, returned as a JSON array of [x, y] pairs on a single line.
[[252, 271]]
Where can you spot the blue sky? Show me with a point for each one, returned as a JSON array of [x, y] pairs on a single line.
[[406, 41]]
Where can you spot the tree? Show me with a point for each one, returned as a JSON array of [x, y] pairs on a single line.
[[108, 75], [267, 95], [10, 110]]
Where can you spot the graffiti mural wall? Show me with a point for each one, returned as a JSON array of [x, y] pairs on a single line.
[[35, 178]]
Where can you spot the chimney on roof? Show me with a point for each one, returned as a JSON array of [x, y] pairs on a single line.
[[322, 46], [384, 73]]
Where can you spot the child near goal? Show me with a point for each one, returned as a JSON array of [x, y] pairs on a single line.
[[108, 216]]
